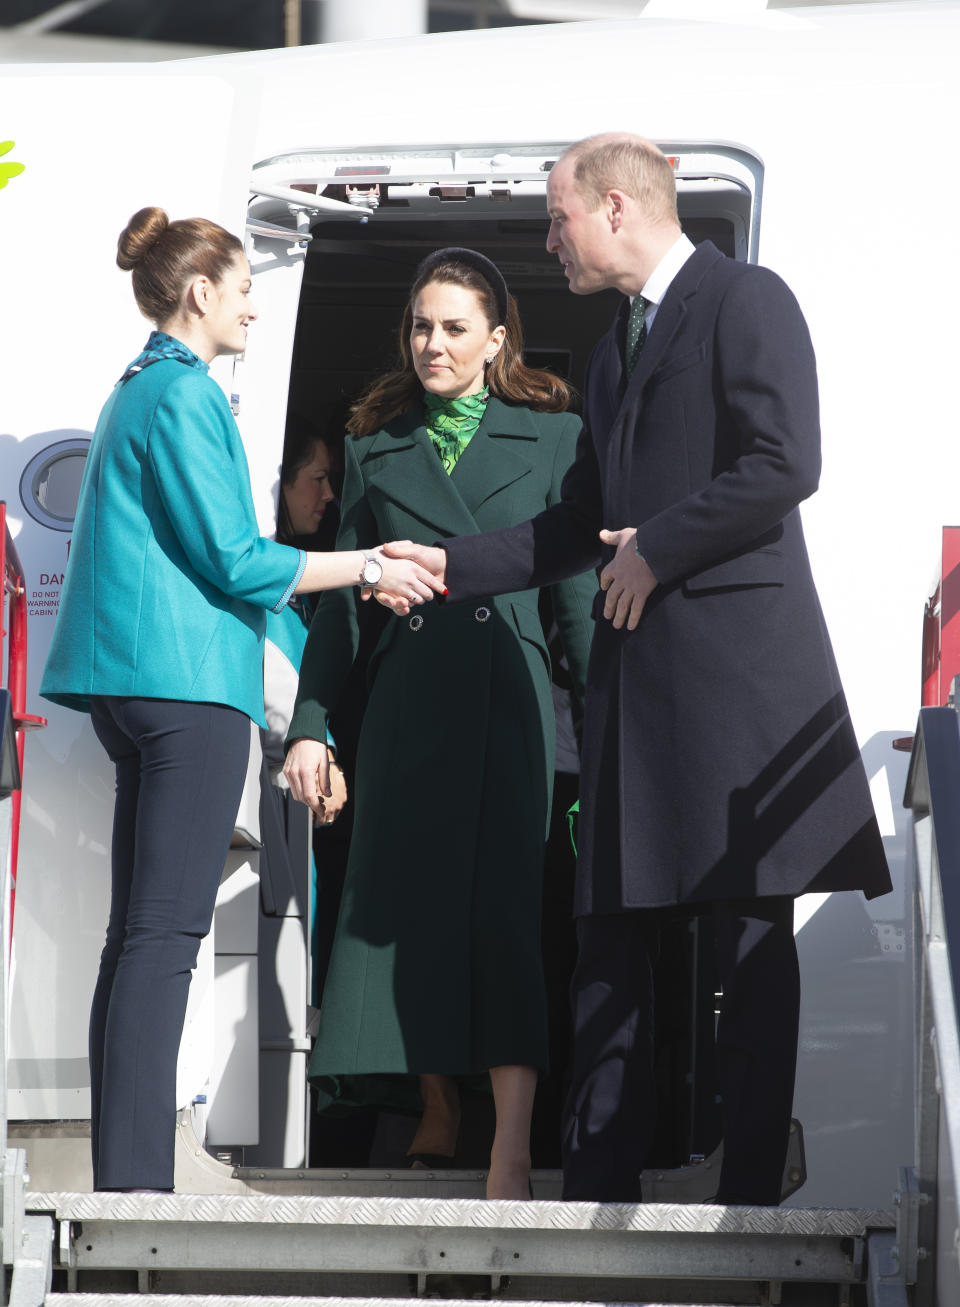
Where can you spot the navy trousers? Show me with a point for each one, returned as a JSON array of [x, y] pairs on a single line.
[[611, 1107], [180, 771]]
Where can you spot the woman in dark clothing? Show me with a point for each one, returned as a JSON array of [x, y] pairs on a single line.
[[436, 969]]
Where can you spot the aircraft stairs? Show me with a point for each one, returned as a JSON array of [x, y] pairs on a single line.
[[383, 1250], [346, 1238]]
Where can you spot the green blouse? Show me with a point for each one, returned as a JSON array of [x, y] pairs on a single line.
[[452, 423]]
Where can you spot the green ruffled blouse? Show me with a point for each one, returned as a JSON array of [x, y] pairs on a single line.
[[452, 423]]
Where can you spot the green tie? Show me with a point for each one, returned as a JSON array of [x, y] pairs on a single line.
[[636, 331]]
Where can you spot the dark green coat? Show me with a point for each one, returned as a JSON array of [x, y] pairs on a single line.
[[436, 963]]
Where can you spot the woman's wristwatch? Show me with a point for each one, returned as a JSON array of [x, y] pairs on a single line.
[[372, 569]]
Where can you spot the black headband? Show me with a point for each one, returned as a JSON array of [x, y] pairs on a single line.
[[479, 263]]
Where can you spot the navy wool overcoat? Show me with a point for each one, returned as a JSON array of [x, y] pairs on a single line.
[[719, 759]]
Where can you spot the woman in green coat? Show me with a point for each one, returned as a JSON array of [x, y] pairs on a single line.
[[436, 968]]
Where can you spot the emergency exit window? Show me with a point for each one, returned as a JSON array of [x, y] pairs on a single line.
[[50, 485]]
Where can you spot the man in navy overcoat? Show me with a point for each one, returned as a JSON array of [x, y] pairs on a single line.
[[720, 770]]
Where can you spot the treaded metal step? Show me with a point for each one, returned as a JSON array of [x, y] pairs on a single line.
[[686, 1218], [539, 1242], [245, 1300]]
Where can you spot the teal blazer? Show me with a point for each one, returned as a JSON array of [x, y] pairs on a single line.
[[168, 579]]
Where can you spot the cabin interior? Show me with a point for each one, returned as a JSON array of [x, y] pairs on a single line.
[[357, 276]]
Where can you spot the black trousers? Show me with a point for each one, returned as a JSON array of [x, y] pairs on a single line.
[[180, 770], [611, 1106]]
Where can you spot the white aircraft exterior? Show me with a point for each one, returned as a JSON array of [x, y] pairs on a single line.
[[824, 140]]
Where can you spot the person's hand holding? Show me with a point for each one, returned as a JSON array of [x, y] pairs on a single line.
[[334, 802], [430, 558], [627, 579], [404, 583], [307, 769]]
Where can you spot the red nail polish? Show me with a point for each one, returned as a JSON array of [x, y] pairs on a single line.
[[445, 590]]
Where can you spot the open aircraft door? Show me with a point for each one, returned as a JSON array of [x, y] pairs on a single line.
[[373, 214], [333, 239]]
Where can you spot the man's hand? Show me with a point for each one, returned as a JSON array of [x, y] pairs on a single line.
[[307, 770], [430, 557], [627, 579]]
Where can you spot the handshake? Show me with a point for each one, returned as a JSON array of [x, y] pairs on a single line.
[[403, 574], [411, 574]]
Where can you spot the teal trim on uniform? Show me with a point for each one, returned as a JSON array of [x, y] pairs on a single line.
[[291, 589]]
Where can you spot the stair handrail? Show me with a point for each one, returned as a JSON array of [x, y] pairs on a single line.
[[932, 795], [14, 600], [34, 1260]]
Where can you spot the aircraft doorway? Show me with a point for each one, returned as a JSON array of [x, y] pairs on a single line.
[[355, 286], [371, 217], [356, 280]]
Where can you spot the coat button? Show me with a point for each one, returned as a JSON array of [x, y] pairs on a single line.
[[416, 621], [482, 614]]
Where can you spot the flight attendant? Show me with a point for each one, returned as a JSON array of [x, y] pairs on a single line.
[[160, 638]]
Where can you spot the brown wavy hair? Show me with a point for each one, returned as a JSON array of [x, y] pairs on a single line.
[[508, 376]]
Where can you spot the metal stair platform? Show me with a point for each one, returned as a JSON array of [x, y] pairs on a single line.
[[379, 1248], [241, 1300]]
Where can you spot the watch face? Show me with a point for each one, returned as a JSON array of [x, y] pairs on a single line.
[[372, 571]]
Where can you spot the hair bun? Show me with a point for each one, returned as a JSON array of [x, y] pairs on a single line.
[[139, 236]]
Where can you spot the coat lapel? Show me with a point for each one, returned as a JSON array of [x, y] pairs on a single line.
[[499, 454], [670, 315], [628, 391], [401, 464]]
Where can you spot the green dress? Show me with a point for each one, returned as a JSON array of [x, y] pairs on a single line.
[[436, 962]]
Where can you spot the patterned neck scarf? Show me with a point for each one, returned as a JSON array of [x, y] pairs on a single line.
[[161, 346], [452, 423]]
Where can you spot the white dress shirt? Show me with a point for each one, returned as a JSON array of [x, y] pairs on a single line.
[[658, 283]]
